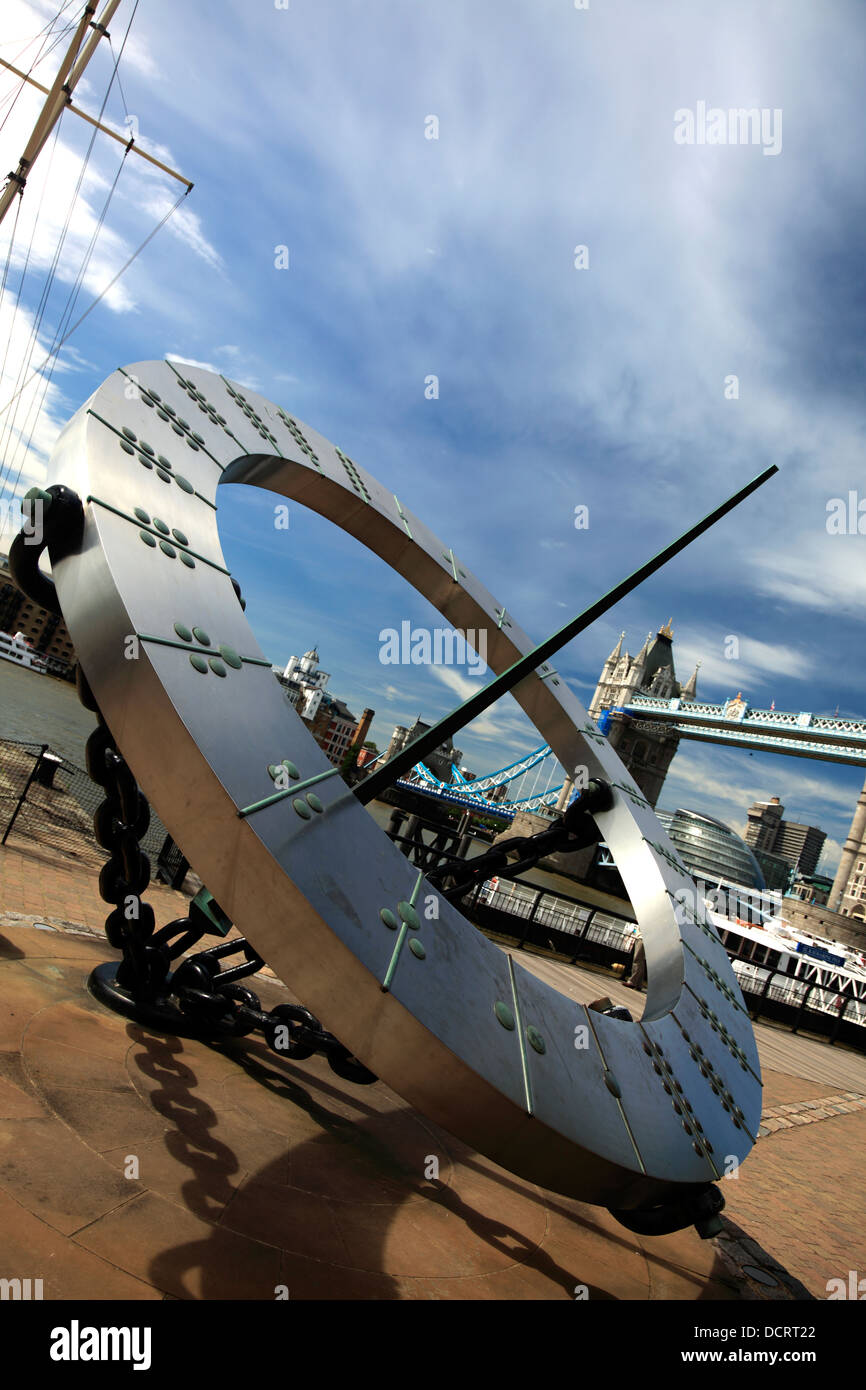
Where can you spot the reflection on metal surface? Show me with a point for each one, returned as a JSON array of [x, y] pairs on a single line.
[[625, 1114]]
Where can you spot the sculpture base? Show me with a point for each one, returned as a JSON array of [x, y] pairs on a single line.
[[139, 1166]]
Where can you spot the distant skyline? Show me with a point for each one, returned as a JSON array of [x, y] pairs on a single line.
[[618, 320]]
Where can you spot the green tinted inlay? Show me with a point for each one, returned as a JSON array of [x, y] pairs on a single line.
[[416, 948], [147, 538], [127, 448], [409, 915], [160, 526], [198, 662], [217, 666], [148, 448], [163, 476], [302, 809], [143, 516], [183, 632], [228, 654], [388, 918], [183, 483], [168, 550], [187, 560], [276, 770], [504, 1014], [313, 800], [161, 458], [535, 1039], [179, 536], [130, 434], [145, 462], [201, 636]]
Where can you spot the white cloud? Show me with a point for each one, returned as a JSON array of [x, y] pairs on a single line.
[[187, 227], [191, 362], [830, 856], [817, 571], [757, 664]]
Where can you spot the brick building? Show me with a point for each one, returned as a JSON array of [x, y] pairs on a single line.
[[47, 633]]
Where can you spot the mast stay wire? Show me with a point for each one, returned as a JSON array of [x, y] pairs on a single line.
[[32, 417], [160, 224], [68, 309], [44, 33], [61, 337], [6, 432], [9, 426]]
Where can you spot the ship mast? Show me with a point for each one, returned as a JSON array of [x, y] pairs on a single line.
[[59, 96]]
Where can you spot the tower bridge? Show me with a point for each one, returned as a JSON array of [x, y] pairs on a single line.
[[800, 735], [640, 706]]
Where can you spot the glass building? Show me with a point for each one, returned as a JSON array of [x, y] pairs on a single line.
[[710, 850]]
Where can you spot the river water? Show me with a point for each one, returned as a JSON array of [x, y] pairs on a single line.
[[39, 709]]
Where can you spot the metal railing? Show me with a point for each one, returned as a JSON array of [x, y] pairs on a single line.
[[822, 1008], [553, 921], [50, 802]]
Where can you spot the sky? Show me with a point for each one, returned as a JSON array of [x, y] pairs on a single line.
[[431, 173]]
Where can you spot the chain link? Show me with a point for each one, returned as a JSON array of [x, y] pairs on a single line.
[[208, 996]]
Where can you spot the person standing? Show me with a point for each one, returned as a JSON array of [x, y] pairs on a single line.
[[637, 978]]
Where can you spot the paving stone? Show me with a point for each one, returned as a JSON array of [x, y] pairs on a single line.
[[256, 1172]]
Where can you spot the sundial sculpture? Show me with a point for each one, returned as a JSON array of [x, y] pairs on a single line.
[[641, 1117]]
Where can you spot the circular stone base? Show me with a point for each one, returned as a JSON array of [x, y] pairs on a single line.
[[139, 1164]]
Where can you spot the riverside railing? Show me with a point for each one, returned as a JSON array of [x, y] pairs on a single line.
[[50, 802]]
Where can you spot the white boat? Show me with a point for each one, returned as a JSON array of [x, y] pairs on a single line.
[[782, 963], [20, 652]]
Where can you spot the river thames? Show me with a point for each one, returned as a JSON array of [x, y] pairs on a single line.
[[38, 709]]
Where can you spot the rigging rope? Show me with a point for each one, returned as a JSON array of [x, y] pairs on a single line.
[[36, 371], [40, 57], [51, 358], [9, 424], [60, 337]]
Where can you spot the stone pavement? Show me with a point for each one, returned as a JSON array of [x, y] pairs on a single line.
[[134, 1165], [800, 1193]]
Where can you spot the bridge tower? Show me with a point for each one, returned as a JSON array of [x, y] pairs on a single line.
[[848, 894], [646, 751]]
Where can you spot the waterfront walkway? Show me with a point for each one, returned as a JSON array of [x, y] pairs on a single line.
[[139, 1166]]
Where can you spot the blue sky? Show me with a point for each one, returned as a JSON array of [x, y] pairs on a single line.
[[604, 387]]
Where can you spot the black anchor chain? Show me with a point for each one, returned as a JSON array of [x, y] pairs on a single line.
[[210, 1000]]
